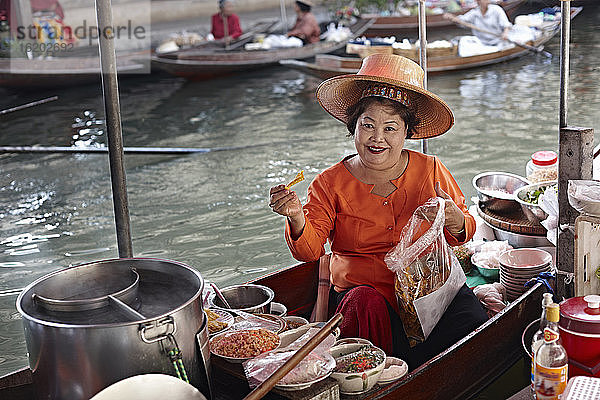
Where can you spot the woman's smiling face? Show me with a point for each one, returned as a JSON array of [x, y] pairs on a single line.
[[379, 137]]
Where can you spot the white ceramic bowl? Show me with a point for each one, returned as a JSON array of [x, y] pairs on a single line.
[[401, 368], [293, 322], [356, 382], [524, 259]]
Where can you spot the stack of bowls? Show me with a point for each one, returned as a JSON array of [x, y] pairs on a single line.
[[517, 266]]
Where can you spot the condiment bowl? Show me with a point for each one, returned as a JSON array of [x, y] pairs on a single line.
[[533, 212], [249, 298], [485, 271], [361, 381], [495, 190], [238, 344]]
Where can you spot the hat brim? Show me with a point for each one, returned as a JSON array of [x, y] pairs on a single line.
[[338, 93]]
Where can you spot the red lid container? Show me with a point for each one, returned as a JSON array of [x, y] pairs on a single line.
[[580, 334], [544, 158]]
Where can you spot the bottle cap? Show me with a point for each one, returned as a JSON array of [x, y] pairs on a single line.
[[547, 299], [553, 312], [544, 158]]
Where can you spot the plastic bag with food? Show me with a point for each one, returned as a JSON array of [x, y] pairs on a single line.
[[316, 365], [428, 274]]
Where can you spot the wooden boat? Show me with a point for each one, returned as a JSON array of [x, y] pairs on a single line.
[[480, 357], [200, 64], [326, 66], [394, 25], [22, 73]]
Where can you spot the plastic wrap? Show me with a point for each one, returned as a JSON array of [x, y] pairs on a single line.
[[428, 274], [316, 365], [584, 196], [488, 253], [491, 297]]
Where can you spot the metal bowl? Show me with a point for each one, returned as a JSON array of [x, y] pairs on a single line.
[[533, 212], [518, 240], [248, 298], [495, 190]]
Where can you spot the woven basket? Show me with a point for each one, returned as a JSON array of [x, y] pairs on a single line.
[[364, 51], [435, 52]]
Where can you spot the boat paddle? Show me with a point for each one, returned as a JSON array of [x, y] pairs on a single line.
[[261, 390], [32, 104], [534, 49]]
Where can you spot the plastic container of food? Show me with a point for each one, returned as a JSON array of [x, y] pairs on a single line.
[[542, 167]]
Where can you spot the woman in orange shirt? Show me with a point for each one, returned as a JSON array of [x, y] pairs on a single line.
[[362, 203]]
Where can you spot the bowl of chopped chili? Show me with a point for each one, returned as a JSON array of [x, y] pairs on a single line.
[[358, 366], [237, 346]]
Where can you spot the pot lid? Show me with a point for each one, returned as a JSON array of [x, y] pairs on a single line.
[[581, 314], [111, 292]]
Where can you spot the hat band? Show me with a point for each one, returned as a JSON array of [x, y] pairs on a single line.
[[389, 92]]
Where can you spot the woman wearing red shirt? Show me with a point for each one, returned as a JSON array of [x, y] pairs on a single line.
[[361, 204], [233, 29]]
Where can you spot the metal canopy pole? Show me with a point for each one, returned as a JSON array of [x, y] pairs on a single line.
[[283, 16], [112, 110], [423, 56], [565, 32], [575, 161]]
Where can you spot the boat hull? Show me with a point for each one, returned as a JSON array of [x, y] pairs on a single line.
[[457, 373], [393, 25]]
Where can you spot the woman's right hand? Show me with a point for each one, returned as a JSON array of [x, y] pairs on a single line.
[[285, 202]]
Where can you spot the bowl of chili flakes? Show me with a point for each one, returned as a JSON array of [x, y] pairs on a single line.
[[237, 346], [358, 366]]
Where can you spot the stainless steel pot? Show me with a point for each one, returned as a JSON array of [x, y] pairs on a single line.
[[248, 297], [85, 330]]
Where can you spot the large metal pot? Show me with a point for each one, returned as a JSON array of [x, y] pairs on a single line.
[[89, 326]]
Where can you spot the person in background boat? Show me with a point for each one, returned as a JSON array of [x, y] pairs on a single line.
[[230, 31], [490, 17], [361, 204], [306, 27]]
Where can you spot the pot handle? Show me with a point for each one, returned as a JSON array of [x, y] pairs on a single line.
[[170, 330]]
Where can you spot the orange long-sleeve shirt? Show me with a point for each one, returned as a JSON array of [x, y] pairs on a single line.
[[362, 227]]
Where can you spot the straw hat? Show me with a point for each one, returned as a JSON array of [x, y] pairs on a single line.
[[394, 77], [306, 2]]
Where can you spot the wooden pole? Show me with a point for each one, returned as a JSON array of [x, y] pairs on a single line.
[[27, 105], [423, 57], [575, 161], [112, 109]]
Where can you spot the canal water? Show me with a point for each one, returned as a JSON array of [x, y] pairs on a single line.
[[210, 210]]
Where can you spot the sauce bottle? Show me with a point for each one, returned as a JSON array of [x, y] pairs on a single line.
[[538, 337], [551, 361]]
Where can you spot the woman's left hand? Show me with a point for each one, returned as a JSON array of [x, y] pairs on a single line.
[[455, 219]]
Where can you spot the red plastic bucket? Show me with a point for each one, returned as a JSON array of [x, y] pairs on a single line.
[[580, 334]]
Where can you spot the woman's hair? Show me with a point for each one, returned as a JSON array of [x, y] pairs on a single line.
[[222, 3], [303, 7], [354, 111]]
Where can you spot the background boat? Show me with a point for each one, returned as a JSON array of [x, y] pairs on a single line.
[[23, 73], [201, 64], [393, 25], [326, 66]]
